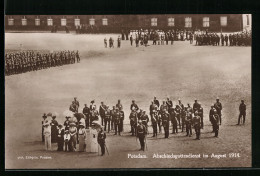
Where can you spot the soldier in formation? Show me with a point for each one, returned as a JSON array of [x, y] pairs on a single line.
[[26, 61], [234, 39]]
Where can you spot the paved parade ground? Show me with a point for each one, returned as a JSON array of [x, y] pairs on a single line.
[[179, 71]]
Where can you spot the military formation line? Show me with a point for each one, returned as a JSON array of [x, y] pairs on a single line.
[[27, 61]]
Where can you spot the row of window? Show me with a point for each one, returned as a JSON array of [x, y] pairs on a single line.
[[188, 21]]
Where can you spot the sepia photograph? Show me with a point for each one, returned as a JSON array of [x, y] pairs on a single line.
[[128, 91]]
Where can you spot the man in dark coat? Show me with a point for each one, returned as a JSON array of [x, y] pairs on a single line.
[[102, 110], [102, 141], [218, 107], [242, 112], [141, 132]]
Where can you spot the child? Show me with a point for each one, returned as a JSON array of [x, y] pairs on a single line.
[[66, 139]]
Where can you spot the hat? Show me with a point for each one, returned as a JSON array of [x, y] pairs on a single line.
[[93, 101], [49, 114], [54, 117], [72, 124], [217, 98], [179, 99], [75, 97], [59, 125]]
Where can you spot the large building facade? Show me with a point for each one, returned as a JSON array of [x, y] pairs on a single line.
[[115, 23]]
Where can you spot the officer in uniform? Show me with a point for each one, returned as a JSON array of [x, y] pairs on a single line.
[[173, 120], [197, 124], [165, 122], [133, 122], [178, 114], [141, 132], [154, 119], [188, 121], [200, 113], [134, 106], [215, 122], [218, 107], [102, 110], [113, 112], [242, 112], [117, 122], [101, 139], [86, 112], [107, 118], [122, 117], [145, 119], [211, 113]]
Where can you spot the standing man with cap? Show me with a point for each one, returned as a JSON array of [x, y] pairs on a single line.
[[218, 107], [133, 122], [122, 118], [215, 122], [197, 124], [107, 119], [117, 122], [211, 113], [200, 113], [242, 112], [141, 132], [101, 139], [102, 110], [165, 122]]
